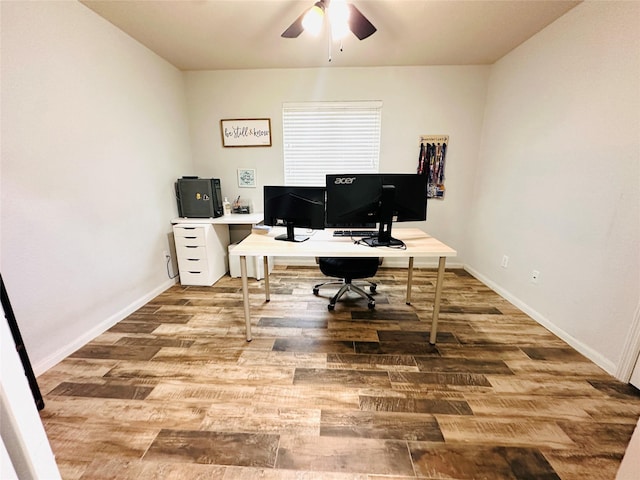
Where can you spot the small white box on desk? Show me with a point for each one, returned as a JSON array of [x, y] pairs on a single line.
[[255, 265]]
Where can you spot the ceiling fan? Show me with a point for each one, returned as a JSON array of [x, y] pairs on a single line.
[[343, 17]]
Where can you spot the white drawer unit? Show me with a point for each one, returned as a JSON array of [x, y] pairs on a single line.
[[201, 250]]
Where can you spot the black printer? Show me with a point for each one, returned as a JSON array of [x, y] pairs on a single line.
[[199, 197]]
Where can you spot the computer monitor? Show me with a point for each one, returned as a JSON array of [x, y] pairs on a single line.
[[383, 198], [301, 207]]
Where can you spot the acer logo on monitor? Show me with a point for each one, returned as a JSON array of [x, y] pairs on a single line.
[[344, 180]]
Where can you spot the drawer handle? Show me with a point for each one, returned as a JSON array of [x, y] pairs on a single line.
[[190, 238], [189, 228], [191, 246], [193, 259]]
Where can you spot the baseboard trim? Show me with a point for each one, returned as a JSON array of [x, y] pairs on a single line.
[[53, 359], [62, 353], [588, 352]]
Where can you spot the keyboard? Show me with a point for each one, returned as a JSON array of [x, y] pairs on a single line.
[[355, 233]]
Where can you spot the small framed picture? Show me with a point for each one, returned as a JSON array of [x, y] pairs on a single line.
[[246, 177]]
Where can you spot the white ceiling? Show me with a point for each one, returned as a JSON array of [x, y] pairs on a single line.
[[245, 34]]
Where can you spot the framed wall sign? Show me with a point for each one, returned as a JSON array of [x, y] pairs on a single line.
[[246, 132], [246, 177]]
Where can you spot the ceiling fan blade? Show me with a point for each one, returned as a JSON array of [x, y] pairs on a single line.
[[296, 28], [358, 23]]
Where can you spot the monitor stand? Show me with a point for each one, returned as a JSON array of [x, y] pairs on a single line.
[[376, 242], [290, 236], [384, 238]]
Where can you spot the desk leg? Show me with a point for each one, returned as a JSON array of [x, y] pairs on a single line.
[[245, 295], [436, 301], [409, 280], [266, 278]]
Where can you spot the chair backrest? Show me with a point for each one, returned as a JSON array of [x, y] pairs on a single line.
[[349, 267]]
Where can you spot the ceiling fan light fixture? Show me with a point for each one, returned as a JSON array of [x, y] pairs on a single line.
[[344, 17], [312, 21]]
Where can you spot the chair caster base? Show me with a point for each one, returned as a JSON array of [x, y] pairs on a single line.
[[347, 286]]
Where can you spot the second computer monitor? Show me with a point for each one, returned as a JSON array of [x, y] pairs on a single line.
[[294, 207], [382, 198]]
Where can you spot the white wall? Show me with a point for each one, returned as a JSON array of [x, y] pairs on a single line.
[[416, 101], [94, 133], [559, 178]]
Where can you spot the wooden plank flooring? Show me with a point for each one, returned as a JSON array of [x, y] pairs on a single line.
[[175, 392]]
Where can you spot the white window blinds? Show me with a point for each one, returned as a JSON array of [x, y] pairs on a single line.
[[329, 137]]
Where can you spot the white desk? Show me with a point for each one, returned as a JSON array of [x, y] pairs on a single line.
[[232, 219], [323, 244]]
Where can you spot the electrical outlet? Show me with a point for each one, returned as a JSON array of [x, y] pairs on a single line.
[[535, 276], [505, 261]]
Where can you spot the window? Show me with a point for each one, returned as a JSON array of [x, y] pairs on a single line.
[[329, 137]]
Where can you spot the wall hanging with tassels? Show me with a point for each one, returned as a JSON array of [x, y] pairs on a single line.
[[431, 162]]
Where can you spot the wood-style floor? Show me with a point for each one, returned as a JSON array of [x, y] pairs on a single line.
[[175, 392]]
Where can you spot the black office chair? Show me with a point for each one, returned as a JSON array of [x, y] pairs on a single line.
[[348, 269]]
